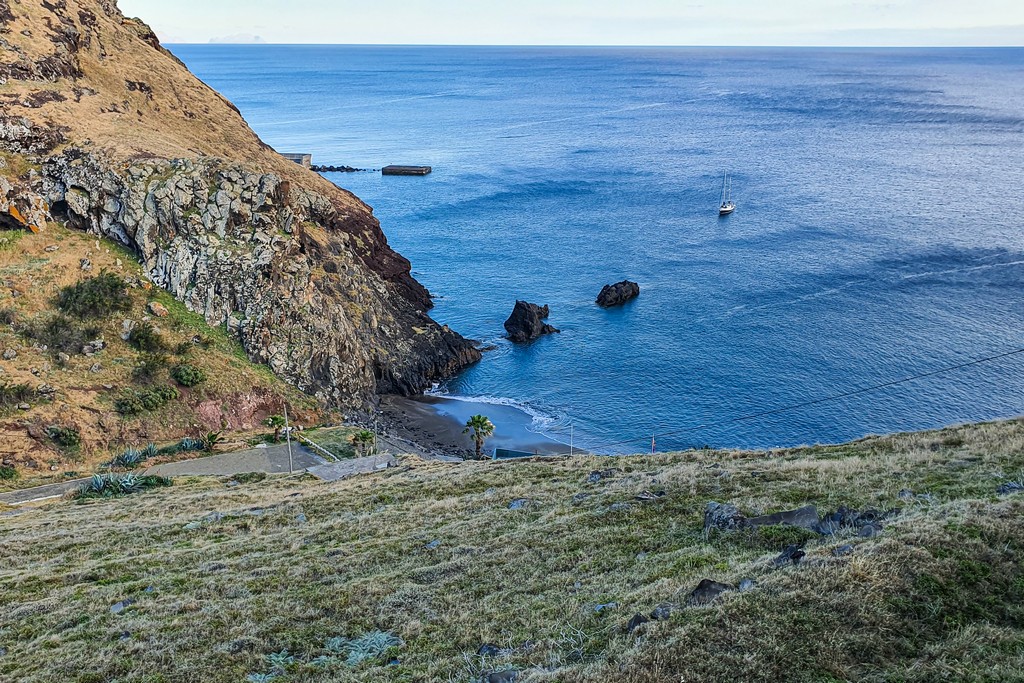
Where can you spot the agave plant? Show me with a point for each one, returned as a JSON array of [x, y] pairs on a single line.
[[150, 451], [260, 678], [368, 646], [280, 661], [95, 485], [337, 645], [190, 444], [322, 662], [128, 483]]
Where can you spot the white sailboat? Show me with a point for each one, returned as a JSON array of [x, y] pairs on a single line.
[[727, 206]]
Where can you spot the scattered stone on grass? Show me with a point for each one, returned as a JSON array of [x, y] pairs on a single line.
[[650, 495], [722, 516], [507, 676], [1010, 487], [662, 611], [707, 591], [791, 555], [605, 606], [636, 622], [488, 650], [519, 504], [158, 309], [746, 585], [805, 518], [119, 607], [869, 530], [599, 475], [433, 545], [843, 550]]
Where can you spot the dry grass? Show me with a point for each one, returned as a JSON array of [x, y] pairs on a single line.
[[938, 596], [237, 391]]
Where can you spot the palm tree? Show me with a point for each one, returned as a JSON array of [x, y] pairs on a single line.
[[277, 422], [363, 440], [482, 428]]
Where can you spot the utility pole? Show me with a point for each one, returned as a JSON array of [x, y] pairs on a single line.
[[288, 437]]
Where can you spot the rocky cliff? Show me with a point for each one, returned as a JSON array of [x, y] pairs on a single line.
[[107, 131]]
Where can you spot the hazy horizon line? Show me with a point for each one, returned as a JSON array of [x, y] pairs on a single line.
[[594, 45]]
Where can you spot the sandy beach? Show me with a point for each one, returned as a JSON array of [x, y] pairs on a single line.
[[436, 424]]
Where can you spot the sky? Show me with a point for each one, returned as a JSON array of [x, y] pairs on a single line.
[[588, 22]]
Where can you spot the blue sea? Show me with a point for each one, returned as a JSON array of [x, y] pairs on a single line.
[[879, 232]]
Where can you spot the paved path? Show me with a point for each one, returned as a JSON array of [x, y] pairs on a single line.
[[346, 468], [23, 496], [273, 460]]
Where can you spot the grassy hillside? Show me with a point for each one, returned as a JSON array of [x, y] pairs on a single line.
[[47, 382], [405, 575]]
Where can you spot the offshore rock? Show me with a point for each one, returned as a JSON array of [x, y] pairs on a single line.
[[527, 322], [618, 294]]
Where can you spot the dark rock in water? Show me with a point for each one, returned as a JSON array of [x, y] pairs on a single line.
[[636, 622], [618, 294], [722, 516], [489, 650], [527, 322], [792, 553], [805, 518], [706, 592], [662, 611], [843, 550]]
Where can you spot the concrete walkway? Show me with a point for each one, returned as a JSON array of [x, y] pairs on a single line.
[[272, 460], [336, 471], [22, 496]]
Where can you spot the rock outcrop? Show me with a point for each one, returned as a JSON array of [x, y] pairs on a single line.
[[618, 294], [104, 129], [527, 322]]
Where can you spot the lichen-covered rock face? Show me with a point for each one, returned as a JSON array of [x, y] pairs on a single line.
[[273, 263], [112, 134], [20, 207]]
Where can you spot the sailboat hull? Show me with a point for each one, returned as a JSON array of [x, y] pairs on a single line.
[[726, 210]]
